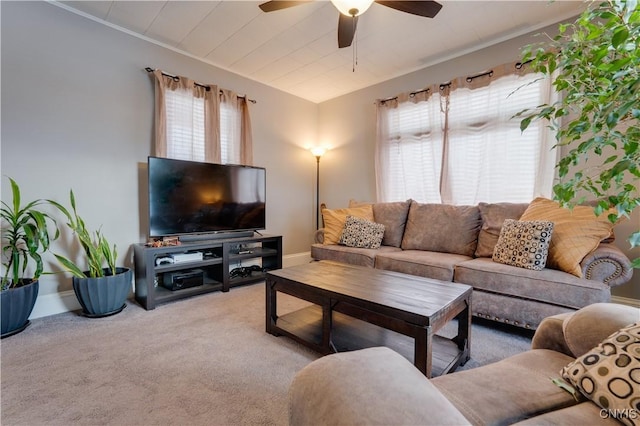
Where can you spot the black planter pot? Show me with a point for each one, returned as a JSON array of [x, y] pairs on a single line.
[[17, 304], [103, 296]]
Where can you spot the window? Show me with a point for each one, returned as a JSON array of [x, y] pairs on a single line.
[[464, 147], [200, 123]]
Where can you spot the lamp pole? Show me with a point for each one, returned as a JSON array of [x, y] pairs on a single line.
[[318, 152], [318, 191]]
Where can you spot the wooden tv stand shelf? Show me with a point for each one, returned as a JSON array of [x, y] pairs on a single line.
[[218, 256]]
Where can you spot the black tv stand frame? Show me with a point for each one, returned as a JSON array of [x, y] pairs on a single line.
[[219, 255]]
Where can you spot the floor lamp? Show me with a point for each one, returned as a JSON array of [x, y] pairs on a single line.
[[318, 152]]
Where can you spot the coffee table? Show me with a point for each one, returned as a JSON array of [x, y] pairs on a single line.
[[354, 307]]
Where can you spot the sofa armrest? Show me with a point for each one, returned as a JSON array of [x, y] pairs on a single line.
[[576, 333], [549, 334], [607, 264], [318, 237], [374, 386]]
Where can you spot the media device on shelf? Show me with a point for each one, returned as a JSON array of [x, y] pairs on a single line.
[[197, 200]]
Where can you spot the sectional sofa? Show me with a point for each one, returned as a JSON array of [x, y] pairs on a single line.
[[458, 244], [592, 354]]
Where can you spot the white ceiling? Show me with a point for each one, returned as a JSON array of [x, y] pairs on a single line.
[[295, 50]]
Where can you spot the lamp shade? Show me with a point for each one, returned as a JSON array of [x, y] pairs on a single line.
[[352, 7], [318, 151]]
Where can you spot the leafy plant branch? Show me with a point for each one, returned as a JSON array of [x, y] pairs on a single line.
[[595, 63]]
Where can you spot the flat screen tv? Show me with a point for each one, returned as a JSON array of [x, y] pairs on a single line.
[[190, 198]]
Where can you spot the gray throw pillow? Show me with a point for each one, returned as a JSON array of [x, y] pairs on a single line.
[[361, 233], [524, 244]]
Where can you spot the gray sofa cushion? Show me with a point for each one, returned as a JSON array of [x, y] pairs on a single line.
[[350, 255], [549, 285], [493, 215], [508, 391], [443, 228], [429, 264], [394, 218]]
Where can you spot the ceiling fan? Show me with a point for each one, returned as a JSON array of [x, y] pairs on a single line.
[[351, 9]]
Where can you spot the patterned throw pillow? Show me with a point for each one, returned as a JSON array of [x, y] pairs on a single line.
[[609, 374], [524, 244], [361, 233]]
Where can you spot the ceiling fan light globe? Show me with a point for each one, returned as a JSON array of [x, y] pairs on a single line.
[[352, 7]]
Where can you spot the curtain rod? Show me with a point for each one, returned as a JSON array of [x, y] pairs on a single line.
[[469, 79], [207, 88]]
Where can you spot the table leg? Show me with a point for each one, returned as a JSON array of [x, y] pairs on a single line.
[[422, 352], [271, 307], [463, 339]]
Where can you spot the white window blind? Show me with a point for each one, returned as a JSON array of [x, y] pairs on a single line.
[[489, 158], [412, 151], [230, 126], [185, 125]]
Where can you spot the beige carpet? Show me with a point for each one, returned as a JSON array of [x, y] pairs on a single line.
[[203, 360]]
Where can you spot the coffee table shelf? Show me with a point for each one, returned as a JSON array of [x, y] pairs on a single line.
[[348, 334]]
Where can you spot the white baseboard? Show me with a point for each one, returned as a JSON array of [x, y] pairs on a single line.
[[296, 259], [626, 301], [55, 303], [65, 301]]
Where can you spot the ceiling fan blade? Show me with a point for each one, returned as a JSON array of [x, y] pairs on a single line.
[[273, 5], [428, 9], [346, 30]]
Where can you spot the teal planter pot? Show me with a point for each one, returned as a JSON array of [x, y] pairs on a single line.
[[103, 296], [17, 304]]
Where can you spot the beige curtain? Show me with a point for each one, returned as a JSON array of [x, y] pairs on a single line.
[[237, 127], [171, 87]]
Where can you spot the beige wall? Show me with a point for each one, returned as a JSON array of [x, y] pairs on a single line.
[[77, 112], [348, 125]]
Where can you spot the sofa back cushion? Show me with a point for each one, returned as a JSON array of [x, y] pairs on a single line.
[[493, 216], [442, 228], [394, 218]]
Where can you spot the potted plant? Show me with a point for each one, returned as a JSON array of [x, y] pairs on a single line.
[[595, 63], [102, 289], [25, 236]]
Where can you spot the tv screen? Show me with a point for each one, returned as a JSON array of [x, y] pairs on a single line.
[[187, 197]]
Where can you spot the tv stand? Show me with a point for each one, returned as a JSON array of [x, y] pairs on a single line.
[[219, 257], [214, 236]]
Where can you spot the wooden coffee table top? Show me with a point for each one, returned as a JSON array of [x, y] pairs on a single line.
[[418, 300]]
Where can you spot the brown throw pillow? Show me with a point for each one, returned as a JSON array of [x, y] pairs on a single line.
[[335, 219], [576, 232], [524, 244]]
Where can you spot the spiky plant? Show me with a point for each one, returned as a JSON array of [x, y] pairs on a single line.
[[98, 252], [25, 237]]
